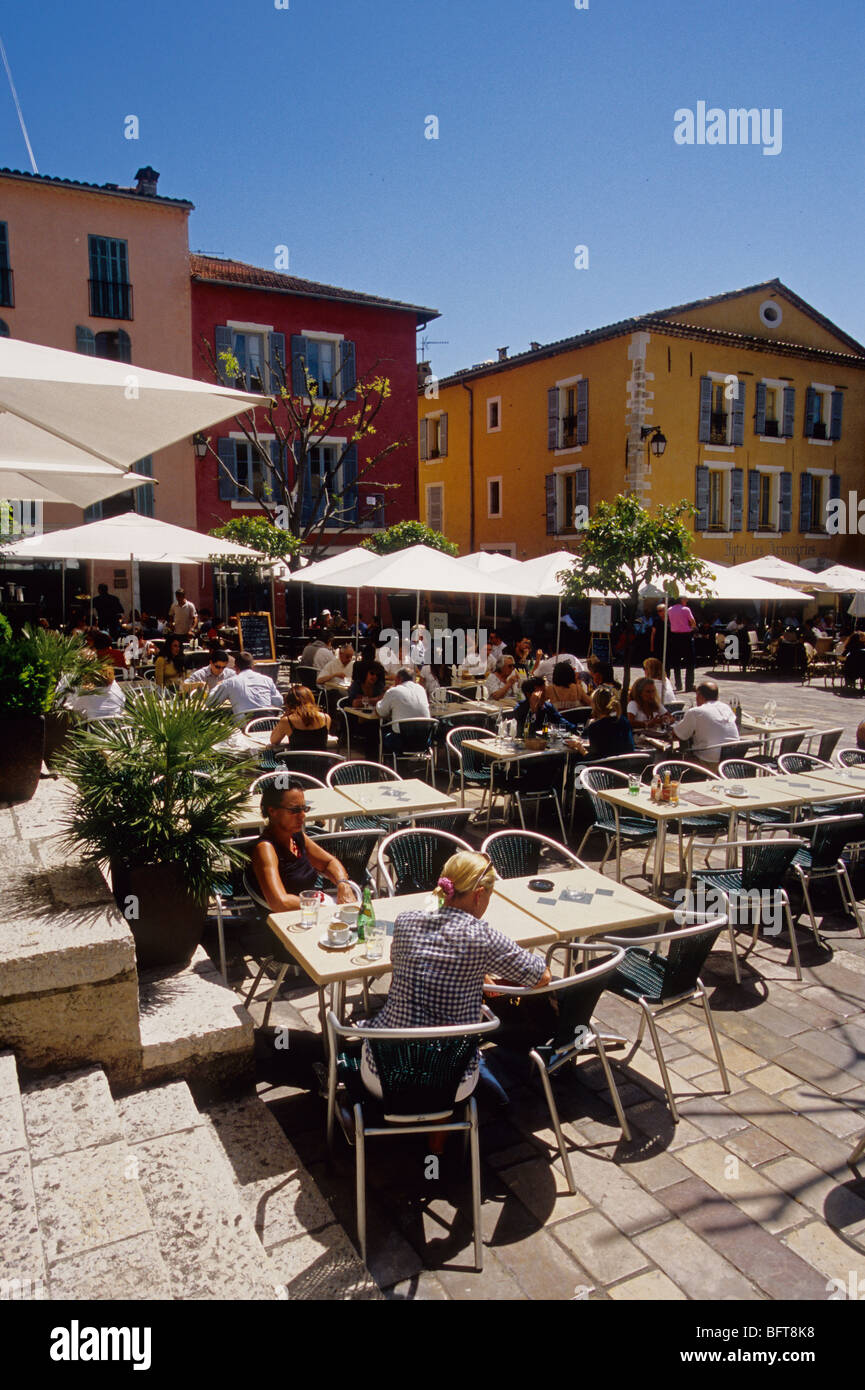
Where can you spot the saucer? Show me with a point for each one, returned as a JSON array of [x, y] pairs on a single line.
[[740, 792], [327, 945]]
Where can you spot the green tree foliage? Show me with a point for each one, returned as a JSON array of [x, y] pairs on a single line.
[[26, 684], [626, 547], [406, 533]]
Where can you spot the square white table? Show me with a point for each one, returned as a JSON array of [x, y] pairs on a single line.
[[325, 803], [583, 903], [395, 798]]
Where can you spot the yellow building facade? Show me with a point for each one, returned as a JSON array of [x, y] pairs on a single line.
[[761, 401]]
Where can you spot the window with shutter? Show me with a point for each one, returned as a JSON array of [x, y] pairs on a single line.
[[789, 407], [785, 502], [582, 412], [422, 441], [435, 506], [553, 418], [705, 423], [116, 346], [443, 435], [836, 411], [815, 422], [277, 370], [7, 298], [347, 371], [85, 340], [551, 503], [760, 408], [753, 499], [737, 488], [737, 428], [806, 493], [298, 362], [227, 451], [701, 499], [494, 497], [221, 344], [110, 288]]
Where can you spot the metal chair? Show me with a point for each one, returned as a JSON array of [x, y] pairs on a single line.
[[660, 981], [310, 762], [571, 1032], [284, 780], [355, 771], [851, 757], [791, 764], [474, 771], [353, 849], [787, 743], [827, 742], [739, 770], [262, 724], [518, 853], [420, 1071], [763, 867], [635, 763], [452, 821], [415, 858], [823, 857], [612, 823], [229, 891], [738, 749], [537, 777], [416, 738]]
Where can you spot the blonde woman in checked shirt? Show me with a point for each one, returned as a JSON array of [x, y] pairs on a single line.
[[442, 959]]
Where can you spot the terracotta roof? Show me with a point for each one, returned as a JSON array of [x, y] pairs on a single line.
[[658, 322], [217, 270], [116, 189]]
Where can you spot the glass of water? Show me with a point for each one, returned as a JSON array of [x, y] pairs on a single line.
[[374, 939], [309, 904]]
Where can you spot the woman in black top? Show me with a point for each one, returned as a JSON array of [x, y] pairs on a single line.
[[285, 862], [534, 711], [607, 733], [303, 723]]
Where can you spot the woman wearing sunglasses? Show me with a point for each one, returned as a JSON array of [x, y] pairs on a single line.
[[286, 862], [440, 960]]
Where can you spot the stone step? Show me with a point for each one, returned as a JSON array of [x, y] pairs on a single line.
[[22, 1264], [96, 1234], [194, 1027], [310, 1252], [206, 1239]]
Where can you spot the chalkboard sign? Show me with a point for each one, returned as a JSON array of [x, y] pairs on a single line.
[[256, 635], [601, 646]]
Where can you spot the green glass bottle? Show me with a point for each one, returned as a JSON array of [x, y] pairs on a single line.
[[366, 916]]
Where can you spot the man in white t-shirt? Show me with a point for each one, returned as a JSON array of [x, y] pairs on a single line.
[[100, 698], [337, 671], [710, 724], [545, 668], [406, 699], [182, 614], [246, 691]]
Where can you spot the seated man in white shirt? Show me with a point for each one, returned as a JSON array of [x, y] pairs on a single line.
[[545, 668], [504, 682], [710, 724], [406, 699], [100, 698], [337, 672], [210, 675], [247, 690]]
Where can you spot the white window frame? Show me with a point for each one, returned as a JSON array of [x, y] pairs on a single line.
[[241, 505], [435, 415], [338, 441], [728, 407], [822, 474], [561, 473], [773, 383], [774, 470], [262, 330], [825, 391], [491, 515], [316, 335], [725, 465], [725, 471], [428, 487], [494, 401], [561, 386]]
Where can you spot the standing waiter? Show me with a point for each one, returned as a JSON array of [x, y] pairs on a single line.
[[683, 624]]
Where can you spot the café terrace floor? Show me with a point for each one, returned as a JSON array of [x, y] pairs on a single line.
[[748, 1197]]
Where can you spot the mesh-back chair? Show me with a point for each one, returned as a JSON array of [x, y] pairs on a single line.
[[635, 763], [410, 861], [823, 857], [419, 1071], [577, 716], [538, 777], [566, 1032], [308, 676], [850, 757], [353, 849], [740, 748], [791, 764], [285, 779], [667, 977], [454, 822], [229, 891], [351, 773], [740, 770], [675, 706], [474, 770], [262, 724], [691, 825], [788, 743], [827, 741], [618, 827], [519, 853], [309, 761], [413, 743], [762, 868]]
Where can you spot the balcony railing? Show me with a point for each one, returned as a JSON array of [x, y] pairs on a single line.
[[718, 427], [818, 429], [110, 299], [771, 429], [7, 294]]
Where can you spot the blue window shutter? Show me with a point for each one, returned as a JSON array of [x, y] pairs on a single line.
[[806, 488], [701, 499], [705, 428], [239, 345], [313, 363], [753, 499], [305, 471], [222, 343], [789, 412], [760, 408], [785, 508], [347, 371], [273, 447], [835, 417], [276, 359], [227, 450], [298, 351], [581, 488], [423, 441], [348, 511], [737, 490], [550, 502], [812, 410], [443, 435], [835, 485], [582, 412], [85, 340], [739, 415], [553, 418], [142, 497]]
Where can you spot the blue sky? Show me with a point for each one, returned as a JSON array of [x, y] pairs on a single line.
[[305, 127]]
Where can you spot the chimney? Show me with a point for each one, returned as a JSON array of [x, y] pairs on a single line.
[[423, 371], [534, 346], [147, 179], [503, 354]]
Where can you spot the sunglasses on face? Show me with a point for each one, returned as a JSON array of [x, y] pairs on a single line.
[[295, 810]]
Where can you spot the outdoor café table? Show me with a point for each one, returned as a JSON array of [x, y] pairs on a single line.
[[582, 903], [325, 803], [501, 752], [779, 728], [848, 779], [396, 798], [337, 967]]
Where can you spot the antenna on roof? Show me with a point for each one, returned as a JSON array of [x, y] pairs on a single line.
[[432, 342], [18, 108]]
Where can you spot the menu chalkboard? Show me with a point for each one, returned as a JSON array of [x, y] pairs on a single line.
[[601, 646], [256, 635]]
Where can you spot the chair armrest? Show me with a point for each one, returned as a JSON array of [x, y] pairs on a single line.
[[678, 934]]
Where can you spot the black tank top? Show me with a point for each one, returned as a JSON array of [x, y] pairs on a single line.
[[296, 872], [303, 739]]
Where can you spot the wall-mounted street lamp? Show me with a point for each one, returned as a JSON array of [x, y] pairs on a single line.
[[200, 443], [657, 440]]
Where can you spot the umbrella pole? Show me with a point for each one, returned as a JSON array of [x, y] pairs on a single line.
[[664, 656], [92, 580], [63, 592], [558, 628], [357, 618]]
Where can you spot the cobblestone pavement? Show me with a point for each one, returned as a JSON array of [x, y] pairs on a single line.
[[748, 1197]]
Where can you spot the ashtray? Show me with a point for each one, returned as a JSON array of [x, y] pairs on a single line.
[[541, 885]]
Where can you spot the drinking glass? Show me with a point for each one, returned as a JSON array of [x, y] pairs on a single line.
[[309, 903], [633, 785], [374, 939]]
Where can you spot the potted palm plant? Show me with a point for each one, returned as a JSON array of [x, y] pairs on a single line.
[[70, 661], [154, 797], [25, 691]]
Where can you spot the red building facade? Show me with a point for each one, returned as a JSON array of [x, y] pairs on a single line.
[[264, 316]]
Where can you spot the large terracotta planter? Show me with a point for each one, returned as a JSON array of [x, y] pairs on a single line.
[[166, 921], [22, 744]]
